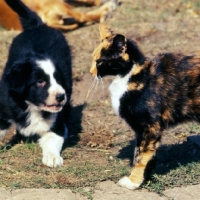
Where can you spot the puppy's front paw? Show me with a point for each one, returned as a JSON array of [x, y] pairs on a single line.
[[127, 183], [52, 160]]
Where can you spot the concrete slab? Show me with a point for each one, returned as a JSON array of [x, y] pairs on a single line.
[[184, 193], [108, 190], [39, 194]]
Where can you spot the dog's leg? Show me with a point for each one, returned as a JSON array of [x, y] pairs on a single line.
[[89, 2], [97, 15], [8, 18], [51, 144], [100, 14], [64, 27], [57, 19], [145, 151]]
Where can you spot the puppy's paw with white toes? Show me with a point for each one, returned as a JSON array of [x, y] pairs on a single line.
[[52, 160], [127, 183]]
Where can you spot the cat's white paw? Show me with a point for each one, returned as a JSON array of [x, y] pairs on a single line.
[[52, 160], [127, 183]]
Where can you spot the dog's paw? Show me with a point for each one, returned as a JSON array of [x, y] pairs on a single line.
[[52, 160], [106, 10], [127, 183]]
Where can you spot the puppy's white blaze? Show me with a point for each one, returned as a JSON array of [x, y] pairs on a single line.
[[55, 88], [51, 145], [37, 124], [117, 88]]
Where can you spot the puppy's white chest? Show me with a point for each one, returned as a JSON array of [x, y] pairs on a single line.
[[36, 123], [117, 88]]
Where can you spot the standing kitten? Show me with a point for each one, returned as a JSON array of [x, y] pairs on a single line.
[[150, 95]]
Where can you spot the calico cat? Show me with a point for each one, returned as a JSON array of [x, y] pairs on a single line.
[[149, 94]]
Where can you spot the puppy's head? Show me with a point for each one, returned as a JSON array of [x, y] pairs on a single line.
[[37, 82]]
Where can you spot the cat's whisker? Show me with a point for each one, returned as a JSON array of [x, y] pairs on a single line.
[[102, 86], [93, 85], [96, 86], [90, 88]]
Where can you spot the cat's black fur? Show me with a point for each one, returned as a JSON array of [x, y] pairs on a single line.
[[150, 95]]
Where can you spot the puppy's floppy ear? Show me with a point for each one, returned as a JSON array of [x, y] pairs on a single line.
[[17, 78], [119, 42]]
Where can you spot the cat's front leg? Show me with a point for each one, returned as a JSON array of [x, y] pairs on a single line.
[[51, 145], [145, 151]]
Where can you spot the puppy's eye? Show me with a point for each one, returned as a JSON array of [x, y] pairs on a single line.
[[41, 83]]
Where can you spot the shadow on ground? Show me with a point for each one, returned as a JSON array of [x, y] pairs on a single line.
[[74, 130], [169, 157]]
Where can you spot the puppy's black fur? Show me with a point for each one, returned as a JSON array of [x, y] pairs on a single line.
[[36, 83]]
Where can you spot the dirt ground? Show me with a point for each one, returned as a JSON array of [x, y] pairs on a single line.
[[99, 137]]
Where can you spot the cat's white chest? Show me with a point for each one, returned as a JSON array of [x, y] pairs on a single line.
[[117, 88]]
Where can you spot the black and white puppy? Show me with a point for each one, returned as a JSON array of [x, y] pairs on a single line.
[[36, 84]]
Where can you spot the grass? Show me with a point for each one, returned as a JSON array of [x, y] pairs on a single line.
[[181, 176], [21, 167]]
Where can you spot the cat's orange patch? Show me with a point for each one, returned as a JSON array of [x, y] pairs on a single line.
[[140, 166], [97, 52], [167, 115], [105, 44], [160, 80], [93, 69], [125, 56], [151, 103], [154, 129], [105, 31], [135, 86], [136, 69]]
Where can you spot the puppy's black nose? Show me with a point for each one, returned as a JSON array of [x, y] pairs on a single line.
[[60, 97]]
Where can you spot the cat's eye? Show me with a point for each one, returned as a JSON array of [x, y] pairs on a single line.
[[99, 62], [41, 83]]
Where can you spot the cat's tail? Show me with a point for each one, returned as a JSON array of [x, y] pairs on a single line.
[[28, 18]]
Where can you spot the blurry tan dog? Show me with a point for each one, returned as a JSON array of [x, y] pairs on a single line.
[[58, 13]]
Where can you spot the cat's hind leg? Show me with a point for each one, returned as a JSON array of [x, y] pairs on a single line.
[[145, 151]]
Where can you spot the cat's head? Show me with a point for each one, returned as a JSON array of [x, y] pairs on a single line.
[[113, 56]]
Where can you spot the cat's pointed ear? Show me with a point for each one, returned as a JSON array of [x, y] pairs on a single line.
[[119, 42], [105, 31]]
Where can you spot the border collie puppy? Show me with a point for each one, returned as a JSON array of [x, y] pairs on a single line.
[[36, 84]]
